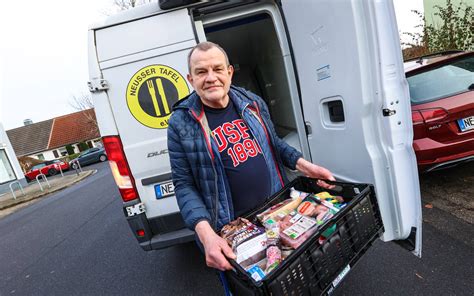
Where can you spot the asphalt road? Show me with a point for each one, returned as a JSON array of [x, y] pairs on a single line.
[[77, 242]]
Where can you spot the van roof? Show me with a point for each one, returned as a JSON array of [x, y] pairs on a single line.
[[141, 11]]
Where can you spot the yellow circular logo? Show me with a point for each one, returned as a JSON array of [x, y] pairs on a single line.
[[151, 93]]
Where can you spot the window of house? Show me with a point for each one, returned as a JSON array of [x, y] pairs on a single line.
[[6, 170], [56, 154], [40, 156], [89, 143], [62, 151], [98, 143]]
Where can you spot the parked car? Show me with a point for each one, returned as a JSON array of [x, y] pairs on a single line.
[[442, 103], [49, 168], [89, 156]]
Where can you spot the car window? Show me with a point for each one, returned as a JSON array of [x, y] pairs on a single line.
[[443, 81], [84, 152], [38, 166]]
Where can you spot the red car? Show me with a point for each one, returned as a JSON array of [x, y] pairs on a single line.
[[49, 168], [442, 103]]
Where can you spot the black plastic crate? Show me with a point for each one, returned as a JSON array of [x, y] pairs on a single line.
[[313, 267]]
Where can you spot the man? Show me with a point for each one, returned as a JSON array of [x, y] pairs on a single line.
[[225, 156]]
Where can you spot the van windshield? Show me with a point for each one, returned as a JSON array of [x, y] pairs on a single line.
[[444, 81]]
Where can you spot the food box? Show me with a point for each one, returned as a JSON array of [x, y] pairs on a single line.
[[318, 265]]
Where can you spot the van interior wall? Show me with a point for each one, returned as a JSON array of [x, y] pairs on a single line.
[[255, 52]]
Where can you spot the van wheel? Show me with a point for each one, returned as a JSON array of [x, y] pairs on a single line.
[[74, 166], [52, 172], [103, 158]]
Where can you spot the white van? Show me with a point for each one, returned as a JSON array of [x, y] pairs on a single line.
[[330, 71]]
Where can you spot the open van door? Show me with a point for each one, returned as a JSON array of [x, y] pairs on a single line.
[[356, 103]]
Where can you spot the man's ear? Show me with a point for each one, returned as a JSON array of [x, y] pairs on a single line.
[[230, 70], [190, 78]]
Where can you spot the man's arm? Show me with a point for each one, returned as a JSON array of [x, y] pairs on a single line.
[[291, 157], [189, 199], [192, 207]]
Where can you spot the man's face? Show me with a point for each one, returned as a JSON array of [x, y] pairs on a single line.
[[210, 77]]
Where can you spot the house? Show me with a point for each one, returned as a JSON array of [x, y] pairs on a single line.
[[10, 169], [47, 140]]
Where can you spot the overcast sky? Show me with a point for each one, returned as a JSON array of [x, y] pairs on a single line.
[[43, 54]]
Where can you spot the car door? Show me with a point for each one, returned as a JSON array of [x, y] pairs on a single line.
[[92, 155], [356, 103]]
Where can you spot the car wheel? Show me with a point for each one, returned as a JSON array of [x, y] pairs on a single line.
[[74, 166], [103, 158], [52, 172]]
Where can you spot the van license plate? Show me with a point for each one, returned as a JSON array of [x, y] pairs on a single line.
[[164, 190], [466, 124]]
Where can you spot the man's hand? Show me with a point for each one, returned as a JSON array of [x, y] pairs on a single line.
[[216, 248], [314, 171]]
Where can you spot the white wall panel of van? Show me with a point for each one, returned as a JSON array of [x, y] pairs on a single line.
[[161, 40], [143, 35], [139, 140]]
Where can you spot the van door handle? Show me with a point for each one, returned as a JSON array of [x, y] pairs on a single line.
[[307, 127]]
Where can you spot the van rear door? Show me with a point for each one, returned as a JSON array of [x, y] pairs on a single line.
[[356, 104], [143, 61]]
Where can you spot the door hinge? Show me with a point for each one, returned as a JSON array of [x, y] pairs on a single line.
[[97, 85], [388, 112], [135, 209]]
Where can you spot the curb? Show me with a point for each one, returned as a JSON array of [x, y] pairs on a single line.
[[21, 200]]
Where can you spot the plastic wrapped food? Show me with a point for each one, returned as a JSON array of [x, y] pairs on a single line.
[[246, 240], [295, 229], [238, 231], [280, 210], [273, 251]]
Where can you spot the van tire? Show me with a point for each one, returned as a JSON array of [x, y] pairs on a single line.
[[103, 158]]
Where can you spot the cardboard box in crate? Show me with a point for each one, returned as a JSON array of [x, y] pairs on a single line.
[[314, 268]]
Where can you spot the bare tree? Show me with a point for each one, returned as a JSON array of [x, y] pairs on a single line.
[[120, 5], [84, 102], [127, 4], [81, 102]]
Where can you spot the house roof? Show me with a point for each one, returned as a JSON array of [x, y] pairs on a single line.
[[31, 138], [54, 133], [73, 128]]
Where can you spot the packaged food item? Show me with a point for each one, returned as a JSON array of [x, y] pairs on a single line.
[[246, 240], [238, 231], [263, 216], [273, 251], [295, 229], [333, 202], [256, 273], [279, 211], [313, 207], [252, 250]]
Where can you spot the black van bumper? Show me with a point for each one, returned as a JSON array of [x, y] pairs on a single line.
[[160, 232]]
